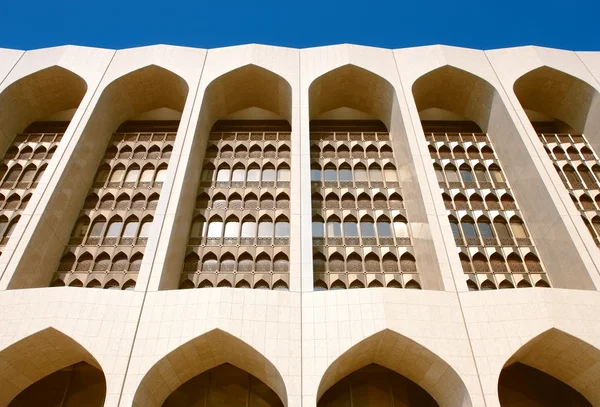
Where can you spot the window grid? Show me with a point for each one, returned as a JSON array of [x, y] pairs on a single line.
[[494, 246], [107, 244], [21, 169], [360, 230], [240, 230], [579, 169]]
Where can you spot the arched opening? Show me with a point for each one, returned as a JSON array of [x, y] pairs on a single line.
[[240, 377], [127, 114], [245, 116], [73, 377], [355, 113], [554, 368], [460, 109], [386, 355]]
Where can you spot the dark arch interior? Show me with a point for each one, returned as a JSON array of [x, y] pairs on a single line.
[[224, 385], [80, 384], [376, 386], [521, 385]]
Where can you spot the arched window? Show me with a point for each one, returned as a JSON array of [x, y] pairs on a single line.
[[466, 264], [226, 151], [114, 227], [117, 174], [223, 174], [372, 263], [131, 227], [573, 153], [232, 227], [348, 201], [487, 153], [480, 263], [375, 174], [227, 263], [334, 227], [265, 227], [492, 202], [67, 262], [248, 227], [518, 228], [161, 173], [318, 227], [215, 228], [485, 230], [282, 227], [533, 263], [502, 231], [263, 263], [147, 174], [559, 153], [354, 263], [255, 151], [444, 152], [572, 177], [588, 155], [451, 174], [219, 201], [473, 152], [120, 262], [459, 153], [241, 151], [345, 173], [28, 174], [207, 173], [283, 173], [400, 228], [283, 152], [98, 227], [125, 152], [145, 228], [210, 263], [496, 174], [481, 174], [268, 173], [332, 201], [468, 229], [408, 263], [466, 174], [139, 152], [455, 229], [587, 177], [439, 174], [390, 263], [281, 263], [251, 201], [372, 151], [11, 153], [133, 174], [245, 263], [515, 264], [364, 201], [319, 262], [235, 201], [384, 228], [102, 262], [315, 173], [350, 227], [330, 173], [79, 230], [498, 264], [391, 176], [239, 173], [269, 151], [167, 151], [13, 175], [380, 201], [253, 173], [358, 151], [360, 173], [26, 153], [153, 152], [367, 227]]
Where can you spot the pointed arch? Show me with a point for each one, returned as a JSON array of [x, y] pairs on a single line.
[[64, 352], [566, 358], [154, 387], [383, 349]]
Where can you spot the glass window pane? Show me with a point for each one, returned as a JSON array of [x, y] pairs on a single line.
[[481, 175], [283, 174], [334, 229], [97, 228], [315, 175], [455, 229], [239, 175], [375, 174], [268, 174], [117, 175], [253, 174], [384, 229], [330, 175], [114, 229], [367, 229], [232, 229], [502, 229], [318, 229], [28, 175], [345, 175], [249, 229], [130, 229], [160, 175], [469, 230], [207, 175], [518, 230], [215, 229], [360, 174], [145, 229], [497, 175], [223, 175], [451, 175], [485, 229], [265, 229], [466, 176], [147, 175], [350, 229], [440, 175], [282, 229], [132, 175], [391, 176], [401, 229]]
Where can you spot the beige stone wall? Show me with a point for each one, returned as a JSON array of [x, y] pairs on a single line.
[[451, 342]]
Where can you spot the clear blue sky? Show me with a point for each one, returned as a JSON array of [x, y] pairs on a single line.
[[573, 24]]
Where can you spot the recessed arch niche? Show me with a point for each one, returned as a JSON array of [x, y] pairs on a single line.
[[134, 93], [471, 101]]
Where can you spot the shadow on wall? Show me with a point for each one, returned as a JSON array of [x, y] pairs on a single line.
[[142, 90]]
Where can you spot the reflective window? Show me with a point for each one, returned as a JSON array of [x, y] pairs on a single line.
[[375, 174], [518, 229], [160, 175], [117, 174], [334, 229], [318, 229], [147, 175], [215, 228], [455, 229], [485, 229], [400, 229], [145, 229], [384, 229], [253, 175], [239, 175], [97, 228], [265, 228], [223, 175], [360, 173], [232, 228], [114, 229], [350, 228], [268, 174], [330, 175], [248, 229], [367, 229], [282, 229], [132, 175], [130, 228], [345, 174], [469, 230], [283, 174], [466, 175], [315, 175]]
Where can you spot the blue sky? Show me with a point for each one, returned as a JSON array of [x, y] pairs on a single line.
[[480, 24]]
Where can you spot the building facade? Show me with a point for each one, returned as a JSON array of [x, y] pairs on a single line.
[[265, 226]]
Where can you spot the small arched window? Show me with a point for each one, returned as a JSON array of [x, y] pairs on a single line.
[[98, 227], [451, 174], [283, 173], [198, 227], [147, 174], [249, 227], [265, 227], [253, 173], [114, 227], [117, 174], [239, 173], [375, 173], [334, 228], [232, 227], [223, 174], [131, 226], [282, 227], [215, 228], [350, 227], [318, 227], [367, 227], [133, 173], [161, 173]]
